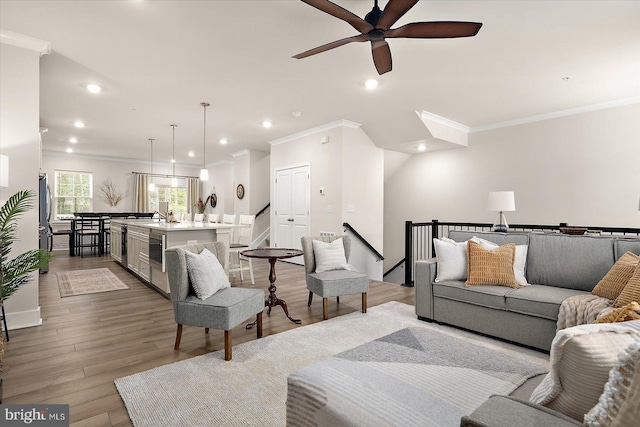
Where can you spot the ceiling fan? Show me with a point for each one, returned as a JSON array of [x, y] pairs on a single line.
[[376, 27]]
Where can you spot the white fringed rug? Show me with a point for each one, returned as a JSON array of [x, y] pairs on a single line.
[[251, 389]]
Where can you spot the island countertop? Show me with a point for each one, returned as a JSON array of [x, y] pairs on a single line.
[[174, 226]]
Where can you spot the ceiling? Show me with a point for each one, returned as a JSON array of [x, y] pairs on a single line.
[[157, 60]]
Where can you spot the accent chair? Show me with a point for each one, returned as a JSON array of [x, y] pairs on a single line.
[[225, 309], [333, 283]]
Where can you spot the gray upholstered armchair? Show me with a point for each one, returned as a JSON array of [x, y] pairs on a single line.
[[332, 283], [224, 310]]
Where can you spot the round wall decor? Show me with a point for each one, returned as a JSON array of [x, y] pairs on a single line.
[[240, 191]]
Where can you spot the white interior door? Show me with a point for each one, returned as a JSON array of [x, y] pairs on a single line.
[[293, 207]]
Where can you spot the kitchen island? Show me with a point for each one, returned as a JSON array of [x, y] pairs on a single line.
[[139, 245]]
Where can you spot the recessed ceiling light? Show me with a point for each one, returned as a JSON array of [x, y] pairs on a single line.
[[78, 124], [191, 154], [224, 141], [93, 88], [266, 124], [69, 150], [422, 147], [296, 113], [73, 140], [371, 84]]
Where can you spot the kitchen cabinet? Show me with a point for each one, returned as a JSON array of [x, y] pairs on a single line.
[[116, 242], [138, 251]]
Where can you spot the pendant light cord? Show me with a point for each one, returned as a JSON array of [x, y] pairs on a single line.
[[204, 135], [173, 150], [151, 140]]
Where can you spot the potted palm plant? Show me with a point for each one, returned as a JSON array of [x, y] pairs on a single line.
[[15, 272]]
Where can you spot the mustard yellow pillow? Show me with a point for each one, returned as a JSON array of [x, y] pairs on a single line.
[[615, 280], [491, 267], [631, 291]]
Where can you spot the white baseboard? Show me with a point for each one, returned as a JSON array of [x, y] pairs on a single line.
[[24, 319]]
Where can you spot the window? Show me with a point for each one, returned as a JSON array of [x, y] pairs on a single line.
[[73, 193], [176, 196]]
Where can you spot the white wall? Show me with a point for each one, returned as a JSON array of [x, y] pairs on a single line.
[[350, 169], [220, 177], [19, 140], [119, 170], [581, 169]]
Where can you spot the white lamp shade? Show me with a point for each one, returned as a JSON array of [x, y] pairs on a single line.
[[174, 182], [4, 171], [501, 201], [152, 186], [204, 175]]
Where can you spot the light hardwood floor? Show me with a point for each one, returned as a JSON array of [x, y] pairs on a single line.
[[88, 341]]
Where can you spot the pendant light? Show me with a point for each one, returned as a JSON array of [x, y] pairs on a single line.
[[204, 173], [152, 186], [174, 180]]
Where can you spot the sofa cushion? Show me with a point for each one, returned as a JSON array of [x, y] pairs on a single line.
[[539, 300], [616, 279], [573, 262], [486, 296], [491, 266], [627, 245], [498, 238]]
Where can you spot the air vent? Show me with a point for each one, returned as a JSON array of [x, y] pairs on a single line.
[[327, 234]]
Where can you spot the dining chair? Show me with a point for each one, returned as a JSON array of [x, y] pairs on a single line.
[[242, 241], [214, 217], [88, 234], [229, 219], [198, 217]]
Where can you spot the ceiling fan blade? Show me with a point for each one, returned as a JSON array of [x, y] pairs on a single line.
[[394, 11], [332, 45], [381, 56], [339, 12], [435, 30]]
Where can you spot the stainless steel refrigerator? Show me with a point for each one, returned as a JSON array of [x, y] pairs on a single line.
[[45, 230]]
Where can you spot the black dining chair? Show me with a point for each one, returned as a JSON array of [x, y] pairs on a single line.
[[88, 231]]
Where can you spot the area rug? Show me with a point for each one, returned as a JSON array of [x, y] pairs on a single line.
[[251, 389], [412, 377], [80, 282]]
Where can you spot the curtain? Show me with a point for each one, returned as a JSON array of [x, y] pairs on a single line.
[[141, 193], [193, 193]]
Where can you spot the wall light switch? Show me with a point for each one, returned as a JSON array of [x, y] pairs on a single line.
[[322, 191], [329, 209], [351, 208]]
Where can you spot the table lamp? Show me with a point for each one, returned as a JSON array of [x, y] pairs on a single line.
[[501, 201]]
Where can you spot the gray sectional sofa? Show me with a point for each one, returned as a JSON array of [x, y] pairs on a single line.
[[558, 267]]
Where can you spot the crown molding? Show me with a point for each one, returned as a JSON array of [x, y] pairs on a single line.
[[321, 128], [557, 114], [112, 159], [43, 47]]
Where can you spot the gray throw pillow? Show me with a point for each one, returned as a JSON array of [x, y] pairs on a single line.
[[206, 274]]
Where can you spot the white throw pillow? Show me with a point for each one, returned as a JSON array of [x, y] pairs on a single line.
[[206, 274], [330, 256], [520, 264], [452, 259]]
